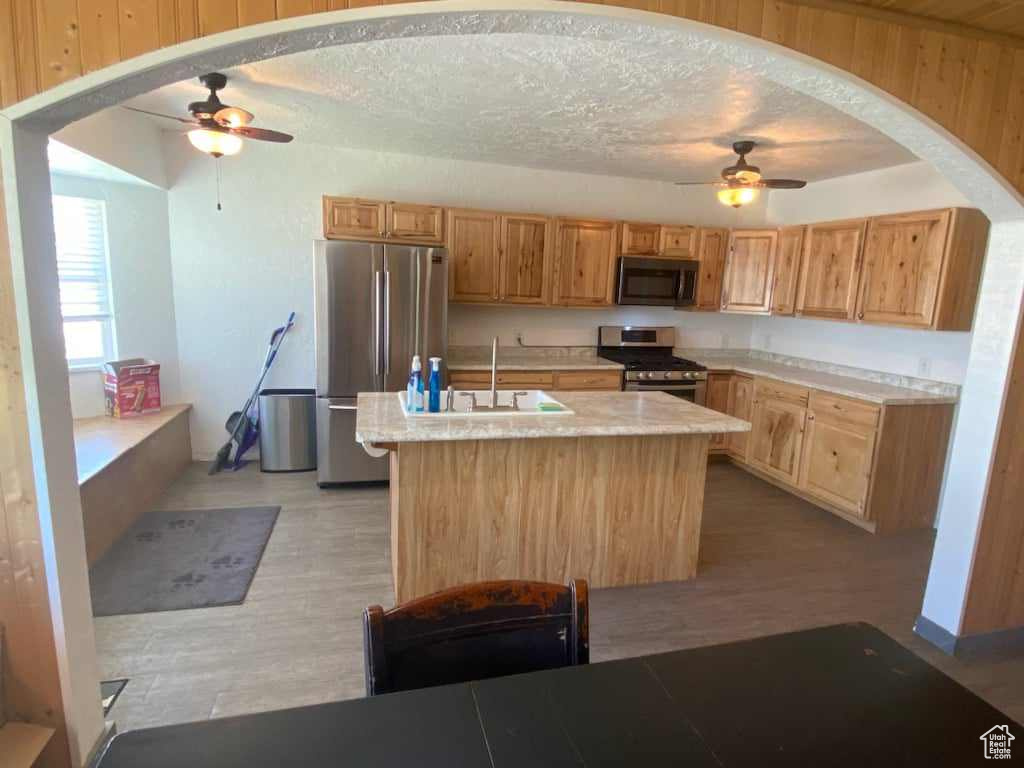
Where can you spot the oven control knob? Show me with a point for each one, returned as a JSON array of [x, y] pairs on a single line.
[[665, 374], [688, 375], [644, 375]]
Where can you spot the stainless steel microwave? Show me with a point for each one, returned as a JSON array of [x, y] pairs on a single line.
[[657, 282]]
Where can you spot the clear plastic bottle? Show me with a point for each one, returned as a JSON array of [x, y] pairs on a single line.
[[414, 391]]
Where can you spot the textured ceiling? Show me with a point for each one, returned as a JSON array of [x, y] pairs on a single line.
[[594, 106]]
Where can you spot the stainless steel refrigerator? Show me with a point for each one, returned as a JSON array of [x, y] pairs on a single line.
[[376, 306]]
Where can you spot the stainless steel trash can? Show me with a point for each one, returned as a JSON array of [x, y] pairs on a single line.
[[287, 430]]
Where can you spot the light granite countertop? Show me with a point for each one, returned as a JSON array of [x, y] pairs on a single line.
[[527, 359], [595, 414], [861, 389]]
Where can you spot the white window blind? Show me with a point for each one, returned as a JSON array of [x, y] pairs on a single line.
[[80, 227]]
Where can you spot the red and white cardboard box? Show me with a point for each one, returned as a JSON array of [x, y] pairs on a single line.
[[132, 387]]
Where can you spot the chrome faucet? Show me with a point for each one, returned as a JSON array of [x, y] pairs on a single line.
[[494, 373]]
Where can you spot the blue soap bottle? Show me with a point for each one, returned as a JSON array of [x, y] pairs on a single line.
[[434, 405]]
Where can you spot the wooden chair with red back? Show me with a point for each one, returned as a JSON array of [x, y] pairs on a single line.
[[475, 631]]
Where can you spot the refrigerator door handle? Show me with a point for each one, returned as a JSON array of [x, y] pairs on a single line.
[[376, 323], [334, 407], [387, 322]]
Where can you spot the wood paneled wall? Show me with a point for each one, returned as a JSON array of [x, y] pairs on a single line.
[[31, 679], [995, 595], [969, 81]]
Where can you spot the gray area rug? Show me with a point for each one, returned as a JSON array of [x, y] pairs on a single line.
[[169, 561]]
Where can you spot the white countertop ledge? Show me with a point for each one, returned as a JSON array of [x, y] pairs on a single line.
[[379, 419]]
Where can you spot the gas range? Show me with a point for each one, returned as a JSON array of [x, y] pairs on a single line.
[[645, 352]]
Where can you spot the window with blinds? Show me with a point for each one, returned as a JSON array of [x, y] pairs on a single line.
[[80, 226]]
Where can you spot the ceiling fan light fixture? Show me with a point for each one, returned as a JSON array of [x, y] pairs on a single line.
[[737, 196], [216, 143]]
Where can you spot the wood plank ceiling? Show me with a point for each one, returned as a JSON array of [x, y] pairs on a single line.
[[1004, 17]]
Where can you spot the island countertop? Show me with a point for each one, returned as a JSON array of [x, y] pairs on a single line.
[[380, 419]]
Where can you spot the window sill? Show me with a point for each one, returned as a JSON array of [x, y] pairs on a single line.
[[92, 368]]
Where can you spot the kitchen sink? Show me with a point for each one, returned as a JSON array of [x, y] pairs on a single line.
[[529, 402]]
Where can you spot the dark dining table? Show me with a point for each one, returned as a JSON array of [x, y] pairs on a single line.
[[843, 695]]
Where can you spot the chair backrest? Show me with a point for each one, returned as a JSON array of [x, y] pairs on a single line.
[[474, 632]]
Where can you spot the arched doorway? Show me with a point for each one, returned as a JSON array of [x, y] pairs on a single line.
[[35, 284]]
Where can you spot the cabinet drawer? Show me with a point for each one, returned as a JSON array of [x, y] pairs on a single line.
[[770, 389], [588, 380], [506, 379], [834, 408]]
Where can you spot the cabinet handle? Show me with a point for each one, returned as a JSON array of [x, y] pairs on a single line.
[[860, 315], [810, 417]]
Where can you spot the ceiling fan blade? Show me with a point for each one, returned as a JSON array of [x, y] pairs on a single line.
[[783, 183], [261, 134], [233, 117], [157, 114]]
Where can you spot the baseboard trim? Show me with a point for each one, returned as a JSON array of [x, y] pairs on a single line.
[[1004, 642]]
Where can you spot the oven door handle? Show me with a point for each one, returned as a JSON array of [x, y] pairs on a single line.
[[658, 387]]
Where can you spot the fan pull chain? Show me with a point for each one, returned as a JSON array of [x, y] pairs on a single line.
[[217, 161]]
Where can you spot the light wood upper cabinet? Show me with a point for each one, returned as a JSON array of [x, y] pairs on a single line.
[[415, 223], [916, 265], [717, 399], [473, 255], [830, 269], [779, 418], [525, 262], [712, 245], [350, 217], [585, 262], [640, 239], [839, 445], [678, 242], [741, 404], [787, 270], [749, 270]]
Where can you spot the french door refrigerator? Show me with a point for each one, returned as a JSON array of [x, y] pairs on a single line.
[[376, 306]]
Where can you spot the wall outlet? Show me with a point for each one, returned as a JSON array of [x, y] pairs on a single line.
[[924, 367], [517, 337]]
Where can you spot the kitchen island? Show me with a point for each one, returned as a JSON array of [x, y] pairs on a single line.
[[612, 493]]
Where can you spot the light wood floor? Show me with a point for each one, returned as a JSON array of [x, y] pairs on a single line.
[[769, 563]]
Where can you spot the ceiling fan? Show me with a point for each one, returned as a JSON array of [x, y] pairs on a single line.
[[219, 128], [742, 181]]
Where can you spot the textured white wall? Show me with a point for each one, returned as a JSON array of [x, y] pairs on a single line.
[[238, 272], [930, 355], [140, 278]]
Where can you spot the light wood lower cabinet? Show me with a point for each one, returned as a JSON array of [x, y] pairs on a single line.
[[717, 399], [552, 380], [879, 467], [741, 404], [779, 418], [839, 446]]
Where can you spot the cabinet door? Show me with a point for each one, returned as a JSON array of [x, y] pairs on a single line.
[[749, 270], [678, 242], [472, 256], [777, 437], [349, 217], [830, 269], [525, 259], [836, 465], [787, 270], [415, 223], [640, 239], [718, 400], [903, 256], [712, 245], [585, 262], [741, 403]]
